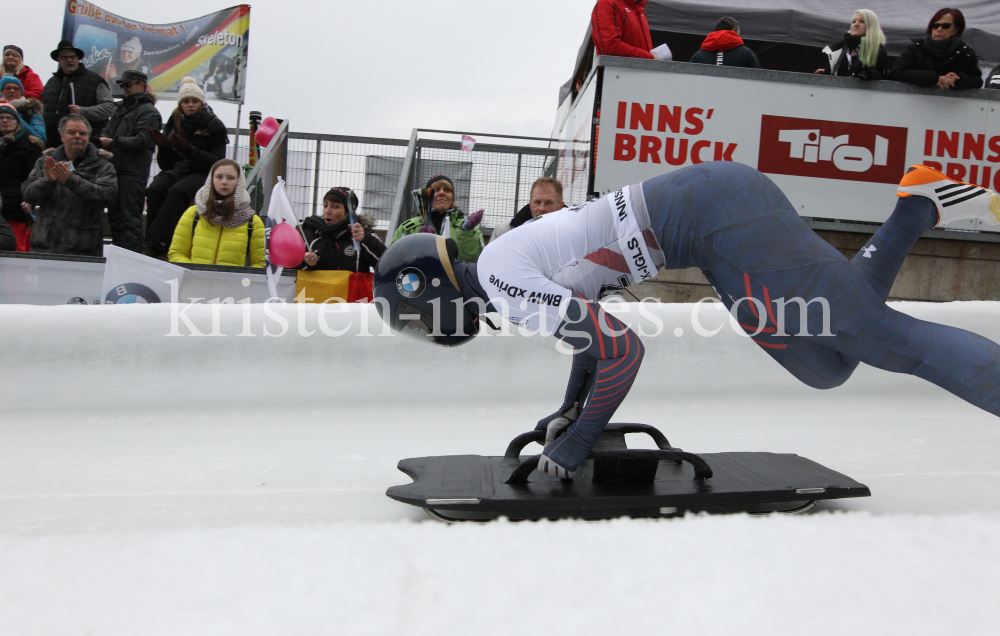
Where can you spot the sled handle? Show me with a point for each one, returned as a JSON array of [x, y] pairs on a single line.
[[701, 468], [518, 443], [658, 438]]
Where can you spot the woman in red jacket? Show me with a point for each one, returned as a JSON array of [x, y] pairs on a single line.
[[13, 64]]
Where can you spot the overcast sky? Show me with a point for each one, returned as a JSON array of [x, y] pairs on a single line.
[[374, 68]]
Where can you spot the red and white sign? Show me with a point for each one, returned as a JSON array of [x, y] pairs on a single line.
[[832, 149], [836, 152]]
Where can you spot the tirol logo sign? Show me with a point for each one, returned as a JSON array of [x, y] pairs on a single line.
[[832, 149]]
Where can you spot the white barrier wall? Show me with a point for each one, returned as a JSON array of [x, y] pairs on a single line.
[[837, 147]]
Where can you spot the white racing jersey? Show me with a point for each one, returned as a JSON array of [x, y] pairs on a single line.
[[531, 272]]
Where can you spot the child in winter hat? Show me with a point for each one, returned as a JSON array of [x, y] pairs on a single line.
[[189, 88]]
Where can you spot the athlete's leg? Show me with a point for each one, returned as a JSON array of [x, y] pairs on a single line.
[[882, 256]]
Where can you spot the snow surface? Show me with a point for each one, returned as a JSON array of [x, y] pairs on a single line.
[[235, 485]]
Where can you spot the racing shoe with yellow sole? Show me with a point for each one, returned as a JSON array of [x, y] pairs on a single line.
[[955, 200]]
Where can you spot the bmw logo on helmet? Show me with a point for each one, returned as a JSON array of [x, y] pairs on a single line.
[[411, 282]]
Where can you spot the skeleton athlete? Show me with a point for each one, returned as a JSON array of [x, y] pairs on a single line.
[[734, 224]]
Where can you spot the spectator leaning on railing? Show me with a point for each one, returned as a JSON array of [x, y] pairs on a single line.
[[330, 238], [445, 219], [192, 141], [545, 196], [724, 47], [19, 151], [28, 108], [862, 52], [13, 64], [221, 227], [73, 90], [942, 59], [71, 185]]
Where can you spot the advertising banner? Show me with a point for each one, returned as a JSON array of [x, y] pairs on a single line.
[[837, 153], [212, 49]]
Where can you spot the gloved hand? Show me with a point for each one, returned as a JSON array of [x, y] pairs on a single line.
[[472, 220], [180, 144], [158, 138], [555, 428], [426, 229], [549, 466]]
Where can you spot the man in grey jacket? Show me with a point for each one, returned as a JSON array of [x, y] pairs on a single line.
[[71, 185], [127, 137]]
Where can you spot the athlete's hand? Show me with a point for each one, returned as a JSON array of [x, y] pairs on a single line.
[[555, 428], [549, 466]]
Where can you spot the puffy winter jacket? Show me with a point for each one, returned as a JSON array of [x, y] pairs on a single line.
[[31, 112], [208, 138], [334, 245], [215, 244], [68, 220], [619, 27], [131, 144], [31, 82], [725, 48], [19, 151], [924, 61], [470, 242]]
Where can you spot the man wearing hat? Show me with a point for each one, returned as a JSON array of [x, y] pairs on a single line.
[[127, 137], [74, 89]]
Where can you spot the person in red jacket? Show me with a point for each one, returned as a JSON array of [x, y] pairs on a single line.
[[13, 64], [619, 27]]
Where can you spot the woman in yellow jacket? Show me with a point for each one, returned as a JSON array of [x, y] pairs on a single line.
[[220, 227]]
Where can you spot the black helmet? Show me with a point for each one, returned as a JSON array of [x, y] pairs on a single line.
[[417, 294]]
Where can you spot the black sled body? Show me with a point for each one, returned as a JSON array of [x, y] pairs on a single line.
[[616, 481]]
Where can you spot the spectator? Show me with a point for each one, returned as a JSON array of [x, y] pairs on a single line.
[[545, 196], [13, 64], [445, 219], [862, 51], [29, 108], [221, 227], [192, 141], [330, 238], [724, 47], [127, 137], [19, 151], [71, 185], [8, 243], [74, 90], [619, 27], [942, 59]]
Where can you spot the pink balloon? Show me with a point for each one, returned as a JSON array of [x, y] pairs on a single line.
[[266, 130], [286, 247]]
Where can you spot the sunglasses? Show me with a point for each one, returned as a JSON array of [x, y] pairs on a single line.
[[942, 25]]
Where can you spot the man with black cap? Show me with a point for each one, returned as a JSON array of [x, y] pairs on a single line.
[[74, 89], [127, 136]]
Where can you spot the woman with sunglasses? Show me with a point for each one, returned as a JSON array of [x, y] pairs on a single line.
[[942, 59]]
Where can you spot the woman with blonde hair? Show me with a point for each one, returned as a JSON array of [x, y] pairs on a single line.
[[13, 64], [221, 227], [862, 52]]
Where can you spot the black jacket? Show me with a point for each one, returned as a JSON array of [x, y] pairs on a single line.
[[19, 151], [335, 247], [8, 242], [57, 97], [740, 56], [69, 215], [208, 138], [132, 147], [924, 61], [856, 68]]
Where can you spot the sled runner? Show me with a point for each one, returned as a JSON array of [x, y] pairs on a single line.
[[617, 481]]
